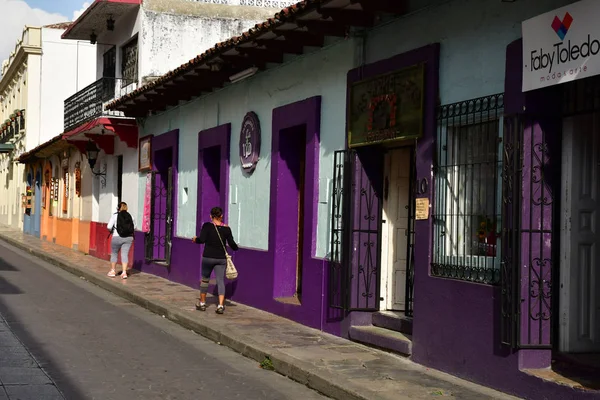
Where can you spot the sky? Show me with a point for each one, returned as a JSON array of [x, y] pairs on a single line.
[[33, 13]]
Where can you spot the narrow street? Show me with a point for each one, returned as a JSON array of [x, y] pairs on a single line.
[[94, 345]]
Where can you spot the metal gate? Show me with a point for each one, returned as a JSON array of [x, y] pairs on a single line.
[[354, 268], [158, 242], [527, 234], [512, 169]]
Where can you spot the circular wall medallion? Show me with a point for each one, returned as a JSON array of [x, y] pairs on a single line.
[[250, 142]]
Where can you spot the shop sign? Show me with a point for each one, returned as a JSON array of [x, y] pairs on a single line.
[[562, 45], [250, 142], [78, 179], [422, 209], [387, 107]]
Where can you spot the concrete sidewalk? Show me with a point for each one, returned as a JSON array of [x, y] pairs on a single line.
[[331, 365]]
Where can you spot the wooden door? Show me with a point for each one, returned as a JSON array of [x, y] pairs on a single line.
[[396, 228], [580, 239]]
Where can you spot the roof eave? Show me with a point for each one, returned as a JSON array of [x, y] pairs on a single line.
[[305, 24], [70, 34]]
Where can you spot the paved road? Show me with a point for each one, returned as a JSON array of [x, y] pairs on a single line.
[[94, 345]]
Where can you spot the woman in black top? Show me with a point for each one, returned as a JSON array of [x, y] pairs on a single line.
[[214, 235]]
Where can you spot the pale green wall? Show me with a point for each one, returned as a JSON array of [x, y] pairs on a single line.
[[320, 73]]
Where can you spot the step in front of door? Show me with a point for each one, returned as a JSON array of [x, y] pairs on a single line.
[[381, 338], [393, 320]]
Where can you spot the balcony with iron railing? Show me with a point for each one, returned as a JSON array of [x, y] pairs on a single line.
[[89, 103]]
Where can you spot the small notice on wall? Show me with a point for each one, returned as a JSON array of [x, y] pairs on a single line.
[[422, 209]]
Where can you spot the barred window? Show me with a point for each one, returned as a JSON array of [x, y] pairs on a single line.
[[129, 62], [467, 209]]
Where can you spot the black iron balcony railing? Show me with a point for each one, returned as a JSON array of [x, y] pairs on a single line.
[[89, 102], [12, 127]]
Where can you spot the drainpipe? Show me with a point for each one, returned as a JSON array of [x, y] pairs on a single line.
[[323, 299]]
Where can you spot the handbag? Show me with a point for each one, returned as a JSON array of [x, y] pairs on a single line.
[[230, 271]]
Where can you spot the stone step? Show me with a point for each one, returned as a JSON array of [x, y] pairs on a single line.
[[382, 338], [393, 320]]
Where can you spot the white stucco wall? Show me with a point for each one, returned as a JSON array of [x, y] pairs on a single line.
[[67, 67], [33, 106], [473, 35], [290, 83], [472, 65], [170, 40], [104, 201]]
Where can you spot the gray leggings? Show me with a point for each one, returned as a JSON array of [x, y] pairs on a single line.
[[118, 243], [219, 266]]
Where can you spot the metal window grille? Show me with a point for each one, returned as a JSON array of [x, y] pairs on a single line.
[[129, 66], [467, 209]]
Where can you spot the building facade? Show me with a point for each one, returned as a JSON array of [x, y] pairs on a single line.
[[32, 78], [84, 172], [401, 193]]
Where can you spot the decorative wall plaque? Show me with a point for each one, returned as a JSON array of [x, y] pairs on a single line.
[[250, 142], [145, 154]]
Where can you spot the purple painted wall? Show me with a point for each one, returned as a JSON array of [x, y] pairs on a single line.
[[255, 286], [167, 144], [457, 324], [213, 151]]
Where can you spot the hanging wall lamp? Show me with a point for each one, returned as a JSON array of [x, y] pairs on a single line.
[[91, 151], [110, 23], [93, 38]]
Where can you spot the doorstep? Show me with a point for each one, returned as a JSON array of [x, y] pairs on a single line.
[[382, 338], [329, 364]]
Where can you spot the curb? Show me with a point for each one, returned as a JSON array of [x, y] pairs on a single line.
[[299, 371]]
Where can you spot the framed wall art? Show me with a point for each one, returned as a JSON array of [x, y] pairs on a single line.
[[145, 154]]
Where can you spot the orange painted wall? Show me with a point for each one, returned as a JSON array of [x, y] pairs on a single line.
[[75, 233], [47, 226], [64, 232], [83, 244]]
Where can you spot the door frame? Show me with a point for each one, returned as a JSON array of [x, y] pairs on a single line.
[[565, 301], [386, 277], [218, 136]]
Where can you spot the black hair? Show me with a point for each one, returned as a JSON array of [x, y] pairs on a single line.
[[216, 212]]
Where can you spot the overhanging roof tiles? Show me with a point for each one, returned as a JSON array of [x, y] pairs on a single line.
[[321, 12], [94, 17], [45, 150]]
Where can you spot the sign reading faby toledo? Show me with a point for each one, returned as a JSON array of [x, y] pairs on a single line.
[[250, 142], [562, 45]]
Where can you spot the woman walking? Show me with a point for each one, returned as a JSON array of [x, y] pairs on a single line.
[[214, 235], [122, 227]]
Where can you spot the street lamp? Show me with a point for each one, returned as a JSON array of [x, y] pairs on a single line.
[[92, 155]]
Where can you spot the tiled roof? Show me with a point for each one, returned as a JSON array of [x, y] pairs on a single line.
[[49, 145], [286, 15], [60, 25]]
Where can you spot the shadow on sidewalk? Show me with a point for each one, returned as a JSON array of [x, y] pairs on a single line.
[[16, 325]]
